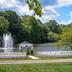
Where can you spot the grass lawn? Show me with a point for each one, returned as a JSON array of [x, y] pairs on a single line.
[[40, 56], [50, 57], [51, 67], [53, 57], [15, 58]]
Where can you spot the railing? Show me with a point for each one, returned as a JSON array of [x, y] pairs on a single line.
[[12, 55], [56, 53]]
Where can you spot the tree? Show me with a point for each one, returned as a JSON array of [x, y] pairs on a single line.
[[15, 25], [35, 6], [4, 24], [35, 30], [66, 37], [52, 37], [53, 26]]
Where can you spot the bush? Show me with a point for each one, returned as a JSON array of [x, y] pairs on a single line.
[[53, 37]]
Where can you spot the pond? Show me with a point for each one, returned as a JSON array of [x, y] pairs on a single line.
[[51, 50], [45, 47]]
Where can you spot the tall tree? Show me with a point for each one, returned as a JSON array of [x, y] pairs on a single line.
[[3, 25], [53, 26], [35, 30], [66, 37], [14, 24]]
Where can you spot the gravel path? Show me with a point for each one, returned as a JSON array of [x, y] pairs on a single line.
[[33, 61]]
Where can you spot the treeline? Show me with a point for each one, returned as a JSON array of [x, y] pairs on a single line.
[[28, 28], [66, 36]]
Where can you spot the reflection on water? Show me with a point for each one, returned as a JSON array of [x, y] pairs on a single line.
[[50, 50], [50, 47], [45, 47]]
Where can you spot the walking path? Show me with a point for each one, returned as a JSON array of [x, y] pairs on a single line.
[[34, 61], [33, 57]]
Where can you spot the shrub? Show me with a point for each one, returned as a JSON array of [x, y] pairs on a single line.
[[52, 37]]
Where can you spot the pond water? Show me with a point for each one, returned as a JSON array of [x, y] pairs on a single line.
[[50, 47], [45, 47], [51, 50]]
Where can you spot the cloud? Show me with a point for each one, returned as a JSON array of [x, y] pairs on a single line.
[[60, 3], [68, 21], [24, 10], [56, 3], [70, 14], [65, 22], [16, 5], [8, 3], [64, 2], [48, 2], [48, 14]]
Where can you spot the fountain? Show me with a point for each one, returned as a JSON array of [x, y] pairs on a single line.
[[8, 49], [8, 42]]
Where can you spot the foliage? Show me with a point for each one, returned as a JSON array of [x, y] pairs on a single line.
[[53, 26], [3, 25], [66, 37], [35, 31], [52, 37], [35, 6], [28, 28], [14, 25]]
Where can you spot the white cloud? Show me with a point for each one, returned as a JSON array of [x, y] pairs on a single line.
[[70, 14], [64, 2], [49, 13], [65, 22], [68, 21], [61, 3], [10, 4], [45, 18], [25, 10]]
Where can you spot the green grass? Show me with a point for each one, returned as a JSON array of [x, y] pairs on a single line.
[[40, 56], [52, 57], [15, 58], [51, 67]]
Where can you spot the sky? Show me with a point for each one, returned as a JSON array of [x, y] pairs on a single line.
[[59, 10]]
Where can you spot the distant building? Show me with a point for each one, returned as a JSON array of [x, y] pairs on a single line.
[[25, 45]]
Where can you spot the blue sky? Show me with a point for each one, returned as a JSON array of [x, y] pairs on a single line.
[[59, 10]]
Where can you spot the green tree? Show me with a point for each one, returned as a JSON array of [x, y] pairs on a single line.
[[52, 37], [15, 25], [53, 26], [66, 37], [4, 24], [35, 6], [35, 31]]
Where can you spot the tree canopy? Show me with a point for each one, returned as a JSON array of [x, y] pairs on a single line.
[[34, 28], [66, 37], [28, 28], [54, 26], [3, 25]]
